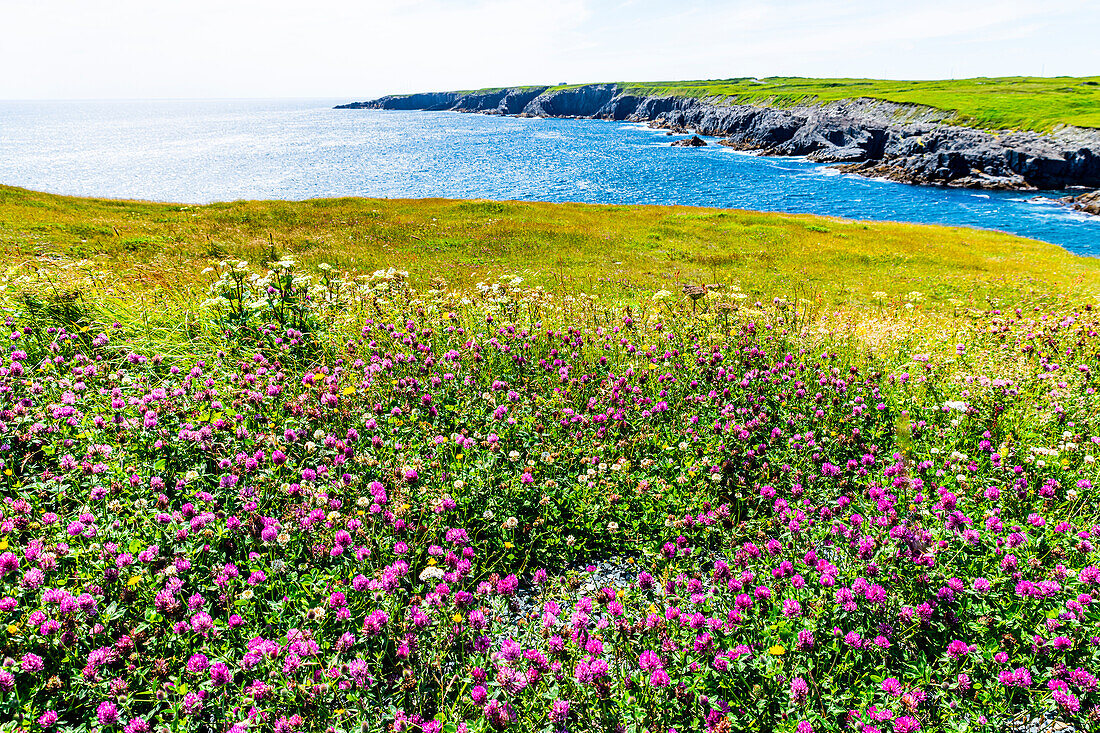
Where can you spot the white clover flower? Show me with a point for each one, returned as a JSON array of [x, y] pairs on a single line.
[[431, 573]]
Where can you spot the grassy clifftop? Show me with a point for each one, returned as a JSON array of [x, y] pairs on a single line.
[[1017, 102]]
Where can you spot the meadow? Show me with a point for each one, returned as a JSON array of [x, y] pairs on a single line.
[[366, 465]]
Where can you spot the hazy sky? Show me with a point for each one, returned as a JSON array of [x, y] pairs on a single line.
[[357, 49]]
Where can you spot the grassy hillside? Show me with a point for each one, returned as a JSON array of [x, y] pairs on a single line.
[[605, 250], [1017, 102]]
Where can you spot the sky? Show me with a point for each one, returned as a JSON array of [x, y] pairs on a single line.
[[361, 49]]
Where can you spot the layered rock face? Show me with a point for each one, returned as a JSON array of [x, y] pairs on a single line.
[[865, 136]]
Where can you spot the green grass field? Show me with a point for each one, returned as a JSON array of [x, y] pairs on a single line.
[[610, 251], [1017, 102]]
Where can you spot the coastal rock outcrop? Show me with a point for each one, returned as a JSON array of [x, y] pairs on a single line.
[[1089, 202], [572, 101], [869, 137], [690, 142]]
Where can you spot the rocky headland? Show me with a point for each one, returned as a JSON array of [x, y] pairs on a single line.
[[870, 137]]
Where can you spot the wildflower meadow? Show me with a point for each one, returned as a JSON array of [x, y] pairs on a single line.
[[350, 504]]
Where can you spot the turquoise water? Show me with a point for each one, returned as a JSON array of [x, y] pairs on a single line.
[[201, 151]]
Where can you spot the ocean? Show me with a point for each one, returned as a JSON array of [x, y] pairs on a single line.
[[201, 151]]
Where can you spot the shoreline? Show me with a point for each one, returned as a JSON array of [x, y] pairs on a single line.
[[868, 137]]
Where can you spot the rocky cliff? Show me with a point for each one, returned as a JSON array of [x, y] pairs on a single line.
[[865, 136]]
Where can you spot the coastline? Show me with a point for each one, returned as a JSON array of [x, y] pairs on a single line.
[[874, 138]]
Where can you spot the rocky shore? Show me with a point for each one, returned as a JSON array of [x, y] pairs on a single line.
[[1088, 203], [869, 137]]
